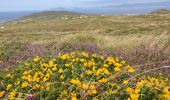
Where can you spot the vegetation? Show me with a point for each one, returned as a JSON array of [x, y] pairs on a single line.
[[78, 56], [161, 11], [80, 75]]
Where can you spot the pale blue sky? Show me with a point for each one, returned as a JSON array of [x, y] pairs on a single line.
[[29, 5]]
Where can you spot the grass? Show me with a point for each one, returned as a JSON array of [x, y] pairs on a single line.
[[36, 29]]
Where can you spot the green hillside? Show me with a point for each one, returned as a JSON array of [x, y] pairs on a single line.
[[161, 11]]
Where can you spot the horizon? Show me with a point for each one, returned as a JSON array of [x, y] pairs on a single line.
[[14, 10], [85, 6]]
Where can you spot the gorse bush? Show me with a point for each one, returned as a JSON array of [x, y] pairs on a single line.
[[80, 76]]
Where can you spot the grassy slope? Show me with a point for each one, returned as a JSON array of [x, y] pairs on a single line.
[[105, 31]]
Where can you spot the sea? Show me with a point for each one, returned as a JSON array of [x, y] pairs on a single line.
[[9, 16]]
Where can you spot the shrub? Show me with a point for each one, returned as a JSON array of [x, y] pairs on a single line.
[[79, 76]]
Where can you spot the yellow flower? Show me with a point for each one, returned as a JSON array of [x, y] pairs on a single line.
[[24, 84], [93, 55], [110, 60], [67, 65], [47, 75], [60, 70], [44, 65], [117, 69], [92, 86], [61, 76], [125, 82], [166, 90], [2, 94], [85, 54], [85, 86], [25, 72], [77, 59], [54, 68], [29, 78], [36, 59], [104, 80], [100, 70], [36, 86], [73, 60], [9, 76], [45, 79], [49, 71], [12, 95], [129, 90], [89, 72], [106, 71], [92, 91], [52, 63], [75, 81], [85, 64], [123, 62], [105, 65], [82, 60], [127, 67], [137, 90], [36, 79], [9, 86], [64, 57], [73, 96], [131, 70], [118, 64], [134, 96]]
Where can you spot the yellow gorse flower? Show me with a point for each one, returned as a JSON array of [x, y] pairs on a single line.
[[60, 70], [9, 86], [80, 75], [2, 94], [64, 57], [89, 72], [102, 71], [85, 54], [125, 82], [52, 63], [75, 81], [85, 86], [73, 96], [103, 80], [36, 59], [24, 84], [131, 70], [9, 76], [117, 69], [12, 95], [92, 90]]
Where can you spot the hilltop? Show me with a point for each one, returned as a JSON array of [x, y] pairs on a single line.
[[161, 11], [49, 14]]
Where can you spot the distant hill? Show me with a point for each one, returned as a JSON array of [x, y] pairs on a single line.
[[53, 14], [161, 11]]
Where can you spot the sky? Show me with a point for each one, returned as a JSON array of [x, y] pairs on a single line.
[[79, 5]]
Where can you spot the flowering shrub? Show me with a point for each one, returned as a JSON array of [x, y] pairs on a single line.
[[79, 76]]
